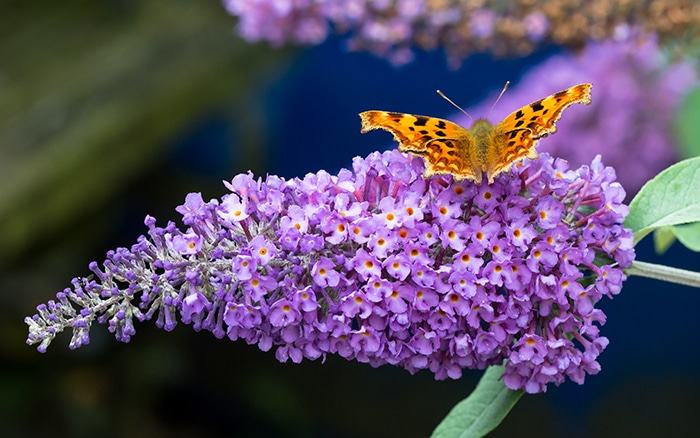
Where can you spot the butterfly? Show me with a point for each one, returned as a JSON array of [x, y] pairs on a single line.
[[448, 148]]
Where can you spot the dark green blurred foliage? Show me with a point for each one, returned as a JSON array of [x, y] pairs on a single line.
[[92, 93]]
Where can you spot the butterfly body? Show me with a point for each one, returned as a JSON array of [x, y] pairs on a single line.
[[448, 148], [483, 136]]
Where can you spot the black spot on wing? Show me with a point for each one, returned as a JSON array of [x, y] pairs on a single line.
[[519, 114], [561, 94], [441, 124], [537, 106], [519, 124], [421, 121], [399, 115], [440, 133]]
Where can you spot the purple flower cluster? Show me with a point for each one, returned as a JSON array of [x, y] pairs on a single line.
[[386, 28], [630, 121], [311, 21], [382, 266], [390, 28]]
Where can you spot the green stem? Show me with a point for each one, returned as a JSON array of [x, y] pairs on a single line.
[[664, 273]]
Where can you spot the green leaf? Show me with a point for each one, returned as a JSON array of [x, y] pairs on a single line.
[[687, 126], [670, 198], [663, 239], [688, 235], [482, 411]]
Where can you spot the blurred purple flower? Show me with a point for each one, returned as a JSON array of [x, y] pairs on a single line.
[[382, 266], [281, 21], [634, 101], [392, 28]]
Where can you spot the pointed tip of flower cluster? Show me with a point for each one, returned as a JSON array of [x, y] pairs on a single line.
[[382, 266]]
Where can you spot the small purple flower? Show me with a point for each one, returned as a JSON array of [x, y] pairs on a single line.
[[187, 244], [306, 301], [295, 218], [469, 259], [336, 228], [382, 243], [412, 212], [283, 313], [262, 250], [193, 210], [463, 282], [520, 233], [233, 209], [397, 302], [193, 304], [366, 266], [482, 233], [422, 275], [397, 266], [454, 233], [356, 304], [243, 267], [549, 213], [258, 287], [379, 266], [324, 273]]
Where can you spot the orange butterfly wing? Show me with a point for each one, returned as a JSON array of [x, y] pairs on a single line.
[[516, 136], [444, 145], [448, 148]]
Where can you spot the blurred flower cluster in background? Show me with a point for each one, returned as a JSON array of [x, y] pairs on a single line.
[[392, 28]]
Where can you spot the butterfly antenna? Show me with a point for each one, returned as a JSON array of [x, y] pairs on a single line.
[[505, 87], [455, 105]]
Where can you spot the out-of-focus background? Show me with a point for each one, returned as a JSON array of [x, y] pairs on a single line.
[[110, 111]]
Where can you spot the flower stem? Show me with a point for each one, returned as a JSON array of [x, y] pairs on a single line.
[[665, 273]]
